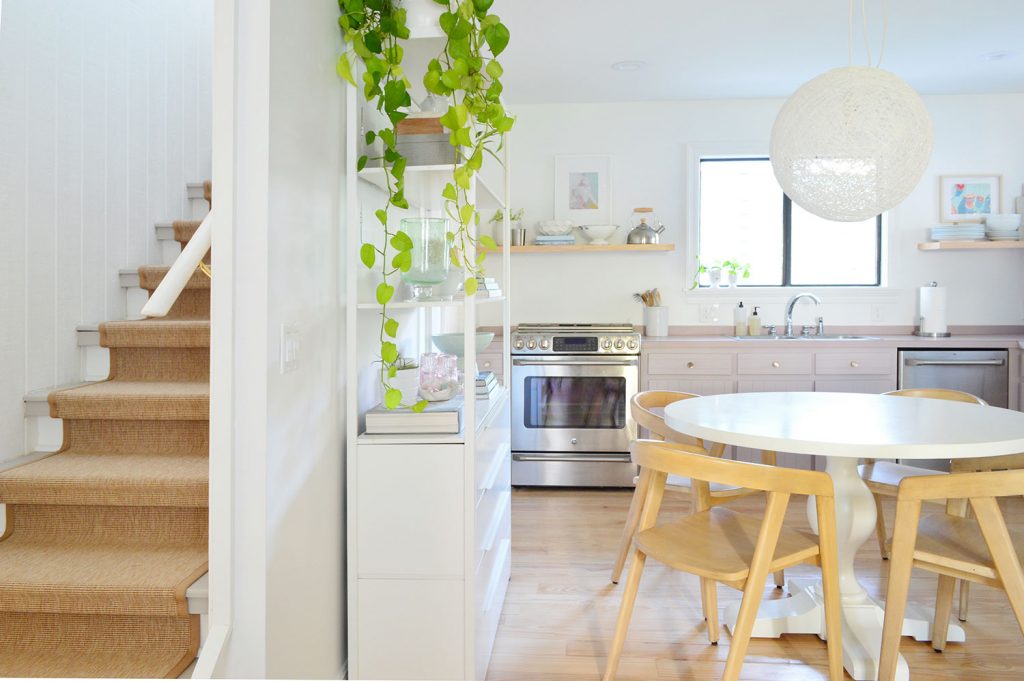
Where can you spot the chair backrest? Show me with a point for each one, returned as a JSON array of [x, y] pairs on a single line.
[[985, 484], [938, 394], [642, 408], [693, 462]]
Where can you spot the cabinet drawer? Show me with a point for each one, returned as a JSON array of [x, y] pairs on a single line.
[[492, 444], [774, 363], [774, 385], [855, 385], [697, 386], [677, 364], [491, 506], [847, 362]]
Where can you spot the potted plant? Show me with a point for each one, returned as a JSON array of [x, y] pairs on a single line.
[[714, 273], [515, 221], [734, 270]]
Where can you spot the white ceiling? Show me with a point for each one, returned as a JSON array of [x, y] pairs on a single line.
[[562, 50]]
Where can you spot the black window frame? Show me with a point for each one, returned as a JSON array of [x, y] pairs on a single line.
[[787, 235]]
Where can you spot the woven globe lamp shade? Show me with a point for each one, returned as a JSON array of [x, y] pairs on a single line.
[[851, 143]]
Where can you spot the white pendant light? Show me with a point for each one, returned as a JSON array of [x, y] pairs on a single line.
[[851, 143]]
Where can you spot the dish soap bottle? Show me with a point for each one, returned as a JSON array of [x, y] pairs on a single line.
[[754, 327], [739, 318]]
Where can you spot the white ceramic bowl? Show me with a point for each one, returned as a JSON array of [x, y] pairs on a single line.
[[554, 227], [1003, 221], [598, 234], [452, 343]]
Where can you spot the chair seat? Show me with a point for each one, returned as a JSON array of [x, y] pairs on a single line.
[[883, 477], [719, 543], [957, 543], [685, 483]]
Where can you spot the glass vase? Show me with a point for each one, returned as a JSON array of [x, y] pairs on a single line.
[[430, 260]]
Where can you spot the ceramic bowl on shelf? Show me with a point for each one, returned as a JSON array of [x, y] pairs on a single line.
[[598, 234], [554, 227], [452, 344], [1003, 221]]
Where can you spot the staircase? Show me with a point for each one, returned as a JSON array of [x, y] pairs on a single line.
[[104, 538]]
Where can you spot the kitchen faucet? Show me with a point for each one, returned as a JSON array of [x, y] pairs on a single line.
[[789, 310]]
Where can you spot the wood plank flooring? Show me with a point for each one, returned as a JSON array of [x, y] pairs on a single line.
[[560, 610]]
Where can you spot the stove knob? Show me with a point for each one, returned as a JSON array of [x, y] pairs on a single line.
[[531, 344], [519, 344], [619, 344], [606, 343], [544, 344], [632, 344]]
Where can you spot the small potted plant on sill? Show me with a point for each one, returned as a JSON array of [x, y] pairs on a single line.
[[515, 221], [734, 270], [714, 273]]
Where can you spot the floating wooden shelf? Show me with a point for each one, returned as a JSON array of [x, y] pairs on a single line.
[[966, 245], [423, 185], [410, 304], [592, 248]]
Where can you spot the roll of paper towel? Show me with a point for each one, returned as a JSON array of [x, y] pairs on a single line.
[[933, 309]]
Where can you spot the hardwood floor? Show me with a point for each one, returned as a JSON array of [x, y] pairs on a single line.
[[560, 610]]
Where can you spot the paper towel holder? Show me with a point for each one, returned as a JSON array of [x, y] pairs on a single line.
[[930, 334]]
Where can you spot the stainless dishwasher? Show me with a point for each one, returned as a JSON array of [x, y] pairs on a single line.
[[983, 373]]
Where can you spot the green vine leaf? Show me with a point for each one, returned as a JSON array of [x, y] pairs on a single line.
[[361, 163], [496, 37], [391, 329], [401, 242], [392, 398], [449, 192], [470, 286], [494, 69], [488, 242], [482, 6], [384, 293], [368, 255], [382, 216], [419, 406], [402, 261], [389, 352], [392, 371], [344, 68], [455, 117]]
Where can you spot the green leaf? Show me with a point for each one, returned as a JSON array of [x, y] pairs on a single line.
[[372, 41], [368, 255], [382, 216], [460, 67], [494, 69], [398, 170], [391, 328], [344, 68], [447, 21], [460, 138], [401, 242], [462, 176], [402, 261], [395, 95], [419, 406], [449, 192], [505, 124], [470, 286], [496, 37], [370, 137], [392, 371], [451, 80], [392, 398], [384, 293], [388, 352], [466, 213], [361, 163], [388, 136], [488, 242], [432, 81], [476, 160], [482, 6], [453, 255], [455, 117], [460, 48]]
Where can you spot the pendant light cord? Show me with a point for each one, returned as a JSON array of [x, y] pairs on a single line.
[[849, 36], [864, 28], [885, 30]]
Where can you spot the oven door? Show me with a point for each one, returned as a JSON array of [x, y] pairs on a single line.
[[573, 403]]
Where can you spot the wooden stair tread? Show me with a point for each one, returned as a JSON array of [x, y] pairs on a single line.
[[131, 400], [156, 333], [720, 544], [150, 277]]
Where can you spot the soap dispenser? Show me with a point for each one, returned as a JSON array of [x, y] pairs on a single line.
[[739, 318], [754, 328]]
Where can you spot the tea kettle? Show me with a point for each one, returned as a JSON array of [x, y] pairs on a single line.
[[644, 233]]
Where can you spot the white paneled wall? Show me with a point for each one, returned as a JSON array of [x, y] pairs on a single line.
[[104, 118]]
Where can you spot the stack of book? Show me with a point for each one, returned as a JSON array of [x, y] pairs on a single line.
[[486, 287], [486, 384], [438, 417], [556, 240]]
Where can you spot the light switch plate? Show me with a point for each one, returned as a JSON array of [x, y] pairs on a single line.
[[710, 312], [290, 346]]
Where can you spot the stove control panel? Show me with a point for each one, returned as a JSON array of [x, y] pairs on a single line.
[[568, 345], [607, 343]]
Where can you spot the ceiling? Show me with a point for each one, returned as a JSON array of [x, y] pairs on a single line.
[[562, 50]]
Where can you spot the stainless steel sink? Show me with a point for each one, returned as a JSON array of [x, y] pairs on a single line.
[[827, 336]]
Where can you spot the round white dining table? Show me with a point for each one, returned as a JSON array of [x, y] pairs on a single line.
[[844, 427]]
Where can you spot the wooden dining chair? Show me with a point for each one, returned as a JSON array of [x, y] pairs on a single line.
[[978, 550], [642, 408], [883, 477], [722, 545]]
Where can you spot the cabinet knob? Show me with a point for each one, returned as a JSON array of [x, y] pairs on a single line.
[[855, 364], [776, 364], [690, 365], [487, 364]]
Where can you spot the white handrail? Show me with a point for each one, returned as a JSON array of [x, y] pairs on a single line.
[[181, 271]]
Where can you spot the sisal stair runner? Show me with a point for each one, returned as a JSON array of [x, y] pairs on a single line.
[[103, 538]]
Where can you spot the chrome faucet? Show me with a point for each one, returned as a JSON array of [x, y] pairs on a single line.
[[789, 309]]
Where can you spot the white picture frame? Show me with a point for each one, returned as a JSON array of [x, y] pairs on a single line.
[[583, 189]]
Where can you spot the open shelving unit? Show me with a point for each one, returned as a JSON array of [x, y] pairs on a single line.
[[593, 248], [970, 245], [428, 526]]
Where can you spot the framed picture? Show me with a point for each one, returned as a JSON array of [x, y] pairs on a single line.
[[969, 198], [583, 189]]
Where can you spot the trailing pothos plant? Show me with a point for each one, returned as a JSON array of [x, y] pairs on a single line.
[[466, 72]]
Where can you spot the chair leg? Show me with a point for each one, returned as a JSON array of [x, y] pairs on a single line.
[[632, 521], [908, 514], [828, 555], [1000, 546], [625, 613], [965, 594], [709, 601], [880, 532], [943, 606], [780, 579]]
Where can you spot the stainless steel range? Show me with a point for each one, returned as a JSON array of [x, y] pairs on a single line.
[[571, 387]]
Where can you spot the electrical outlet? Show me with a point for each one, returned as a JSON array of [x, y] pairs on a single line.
[[710, 313], [876, 313], [289, 348]]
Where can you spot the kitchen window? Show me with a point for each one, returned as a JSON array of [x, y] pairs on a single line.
[[743, 216]]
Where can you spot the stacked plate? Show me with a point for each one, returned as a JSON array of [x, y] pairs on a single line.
[[1002, 228], [972, 232]]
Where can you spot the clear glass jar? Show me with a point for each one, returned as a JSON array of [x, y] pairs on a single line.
[[439, 376], [430, 260]]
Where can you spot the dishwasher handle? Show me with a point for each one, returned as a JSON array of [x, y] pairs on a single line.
[[955, 362]]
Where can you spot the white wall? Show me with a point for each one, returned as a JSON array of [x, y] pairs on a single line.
[[104, 117], [973, 134], [286, 439]]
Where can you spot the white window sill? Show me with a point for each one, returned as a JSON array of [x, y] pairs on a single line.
[[780, 294]]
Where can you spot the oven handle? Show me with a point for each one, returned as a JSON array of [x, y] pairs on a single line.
[[575, 363], [621, 458], [955, 362]]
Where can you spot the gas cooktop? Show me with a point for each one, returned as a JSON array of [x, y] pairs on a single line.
[[575, 339]]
